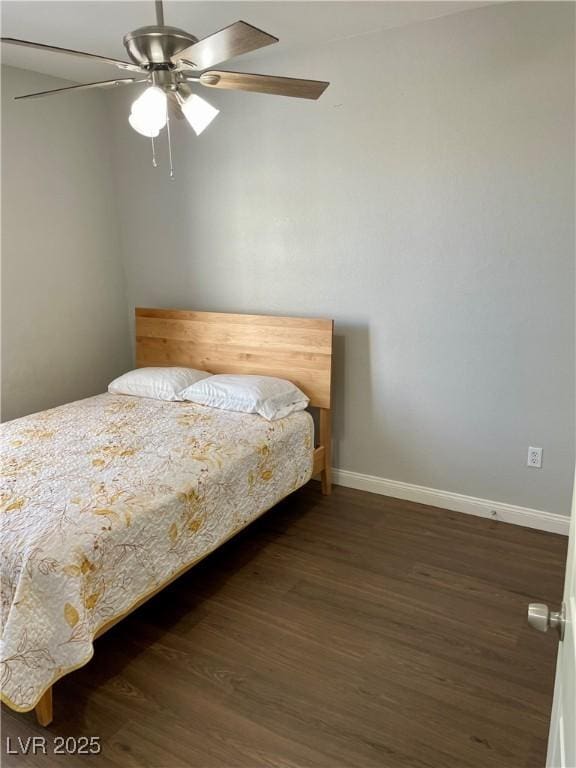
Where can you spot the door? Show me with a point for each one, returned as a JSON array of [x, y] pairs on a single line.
[[562, 739]]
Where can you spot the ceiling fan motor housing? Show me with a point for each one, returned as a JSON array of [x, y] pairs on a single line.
[[153, 47]]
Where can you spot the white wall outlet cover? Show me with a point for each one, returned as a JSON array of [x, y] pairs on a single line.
[[534, 457]]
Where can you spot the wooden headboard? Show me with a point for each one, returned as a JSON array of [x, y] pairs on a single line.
[[295, 348]]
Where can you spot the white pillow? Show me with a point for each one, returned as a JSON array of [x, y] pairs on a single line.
[[270, 397], [159, 383]]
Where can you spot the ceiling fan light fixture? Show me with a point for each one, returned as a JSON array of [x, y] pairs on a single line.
[[198, 112], [141, 127], [170, 59], [149, 112]]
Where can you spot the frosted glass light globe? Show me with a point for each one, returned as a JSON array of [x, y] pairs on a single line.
[[198, 112], [149, 112]]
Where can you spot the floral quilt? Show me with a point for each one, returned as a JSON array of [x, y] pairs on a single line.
[[104, 500]]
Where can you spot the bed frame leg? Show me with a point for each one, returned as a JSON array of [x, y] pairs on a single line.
[[326, 441], [44, 708], [326, 478]]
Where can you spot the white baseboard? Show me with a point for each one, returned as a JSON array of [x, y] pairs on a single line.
[[457, 502]]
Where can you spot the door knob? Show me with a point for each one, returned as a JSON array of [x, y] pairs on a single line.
[[540, 617]]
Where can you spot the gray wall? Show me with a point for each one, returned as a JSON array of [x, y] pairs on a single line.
[[64, 326], [426, 203]]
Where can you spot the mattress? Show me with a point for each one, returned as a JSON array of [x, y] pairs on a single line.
[[106, 499]]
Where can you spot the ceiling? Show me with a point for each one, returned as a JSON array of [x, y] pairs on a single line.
[[97, 26]]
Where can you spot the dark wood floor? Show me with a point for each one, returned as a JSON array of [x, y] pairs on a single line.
[[352, 631]]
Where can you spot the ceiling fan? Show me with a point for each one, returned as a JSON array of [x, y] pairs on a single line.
[[172, 62]]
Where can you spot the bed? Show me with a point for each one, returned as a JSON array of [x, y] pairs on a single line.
[[107, 500]]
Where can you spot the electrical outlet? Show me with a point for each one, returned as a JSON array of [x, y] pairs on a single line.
[[534, 457]]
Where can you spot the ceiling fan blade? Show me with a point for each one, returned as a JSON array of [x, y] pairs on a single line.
[[83, 54], [82, 87], [231, 41], [278, 86]]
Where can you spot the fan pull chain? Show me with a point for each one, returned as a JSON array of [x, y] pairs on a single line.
[[170, 148], [154, 162]]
